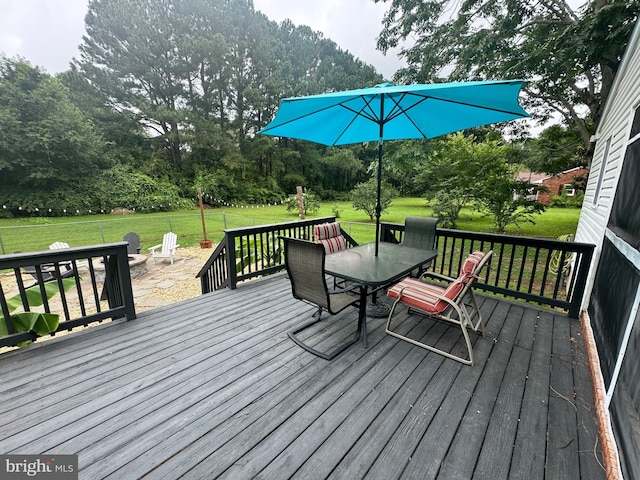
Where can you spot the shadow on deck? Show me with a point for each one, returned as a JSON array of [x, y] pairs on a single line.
[[213, 388]]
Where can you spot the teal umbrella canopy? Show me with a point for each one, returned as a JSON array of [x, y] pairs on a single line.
[[396, 112]]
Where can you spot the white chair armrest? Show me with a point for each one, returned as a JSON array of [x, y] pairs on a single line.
[[155, 247]]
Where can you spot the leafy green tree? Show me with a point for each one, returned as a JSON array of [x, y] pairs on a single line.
[[48, 148], [340, 167], [568, 55], [121, 186], [455, 171], [125, 139], [556, 149], [364, 197], [508, 201], [131, 55], [446, 205], [204, 75], [310, 202]]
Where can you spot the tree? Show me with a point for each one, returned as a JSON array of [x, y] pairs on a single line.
[[507, 201], [49, 151], [190, 70], [130, 55], [456, 169], [364, 197], [556, 149], [569, 57]]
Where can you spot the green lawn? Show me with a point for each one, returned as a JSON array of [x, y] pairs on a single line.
[[30, 234]]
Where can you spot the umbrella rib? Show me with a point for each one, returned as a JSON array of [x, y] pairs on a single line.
[[308, 114], [370, 115], [466, 104], [397, 110]]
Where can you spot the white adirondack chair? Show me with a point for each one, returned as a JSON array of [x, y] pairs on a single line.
[[67, 265], [167, 248], [58, 245]]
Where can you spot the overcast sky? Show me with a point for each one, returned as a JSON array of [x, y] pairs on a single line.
[[47, 32]]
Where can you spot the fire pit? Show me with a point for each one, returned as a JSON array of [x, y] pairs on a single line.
[[137, 266]]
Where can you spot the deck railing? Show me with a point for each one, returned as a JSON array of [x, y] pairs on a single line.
[[250, 252], [108, 294], [542, 271], [546, 272]]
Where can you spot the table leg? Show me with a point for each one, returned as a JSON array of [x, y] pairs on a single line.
[[362, 314]]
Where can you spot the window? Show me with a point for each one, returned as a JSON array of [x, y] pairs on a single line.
[[568, 190], [603, 167]]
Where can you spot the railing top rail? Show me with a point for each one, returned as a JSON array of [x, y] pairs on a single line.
[[517, 240], [212, 258], [280, 226], [509, 239], [12, 260]]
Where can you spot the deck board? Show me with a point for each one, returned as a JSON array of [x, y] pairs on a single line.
[[213, 388]]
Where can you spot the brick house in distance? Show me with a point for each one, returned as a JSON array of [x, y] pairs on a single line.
[[555, 184]]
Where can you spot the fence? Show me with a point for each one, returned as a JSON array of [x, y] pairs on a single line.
[[37, 233], [546, 272], [56, 277], [246, 253]]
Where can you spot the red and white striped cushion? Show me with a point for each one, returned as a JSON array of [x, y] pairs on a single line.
[[334, 244], [326, 230], [469, 265], [425, 295], [330, 235]]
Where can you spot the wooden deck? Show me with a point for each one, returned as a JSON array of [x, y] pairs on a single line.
[[213, 388]]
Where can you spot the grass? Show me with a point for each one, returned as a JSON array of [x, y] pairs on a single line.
[[36, 233]]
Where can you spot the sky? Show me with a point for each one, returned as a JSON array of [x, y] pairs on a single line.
[[47, 32]]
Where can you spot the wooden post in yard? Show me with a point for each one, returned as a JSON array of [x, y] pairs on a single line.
[[206, 243], [300, 202]]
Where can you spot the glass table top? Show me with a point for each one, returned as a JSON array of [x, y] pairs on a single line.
[[359, 264]]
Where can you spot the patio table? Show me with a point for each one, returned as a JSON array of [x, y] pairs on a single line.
[[360, 265]]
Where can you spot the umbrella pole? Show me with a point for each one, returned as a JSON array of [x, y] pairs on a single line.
[[379, 194]]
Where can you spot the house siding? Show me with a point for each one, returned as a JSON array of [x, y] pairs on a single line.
[[612, 295]]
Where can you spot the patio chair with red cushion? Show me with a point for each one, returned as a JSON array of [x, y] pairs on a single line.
[[454, 302]]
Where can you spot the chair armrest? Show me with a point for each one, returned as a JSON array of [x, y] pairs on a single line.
[[344, 290], [437, 276], [155, 247]]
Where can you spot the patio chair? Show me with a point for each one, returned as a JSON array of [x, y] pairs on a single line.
[[454, 303], [304, 262], [330, 236], [167, 247], [134, 242], [420, 232], [49, 272], [68, 265]]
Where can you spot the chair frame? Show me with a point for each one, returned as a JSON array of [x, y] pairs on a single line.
[[458, 311], [323, 301], [420, 232], [170, 249], [133, 239]]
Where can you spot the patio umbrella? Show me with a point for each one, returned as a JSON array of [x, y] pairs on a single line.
[[395, 112]]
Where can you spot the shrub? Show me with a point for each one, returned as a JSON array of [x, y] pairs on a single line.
[[565, 201], [365, 195], [310, 201]]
